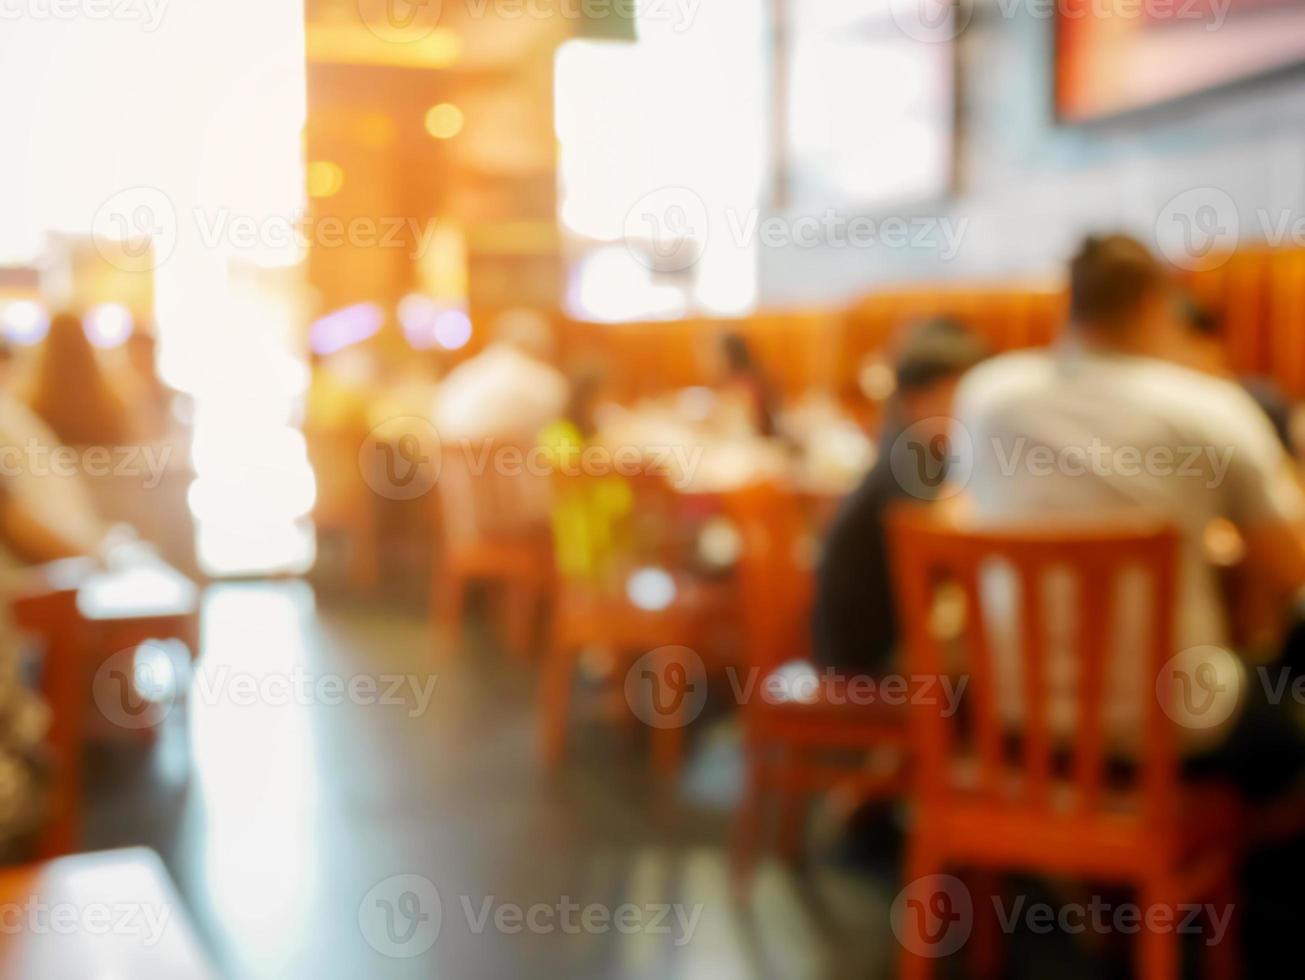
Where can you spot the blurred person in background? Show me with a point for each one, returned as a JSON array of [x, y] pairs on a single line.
[[1111, 384], [585, 507], [1201, 347], [745, 390], [854, 620], [59, 498], [72, 394], [854, 623], [509, 391]]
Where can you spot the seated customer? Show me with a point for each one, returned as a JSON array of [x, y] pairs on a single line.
[[507, 391], [1202, 348], [854, 621], [1137, 436], [745, 389]]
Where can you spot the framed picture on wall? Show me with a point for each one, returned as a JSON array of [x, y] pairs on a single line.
[[1117, 56]]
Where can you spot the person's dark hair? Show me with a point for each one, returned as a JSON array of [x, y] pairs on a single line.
[[738, 354], [1110, 278], [934, 350], [1198, 317]]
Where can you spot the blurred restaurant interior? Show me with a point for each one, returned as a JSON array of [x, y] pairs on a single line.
[[652, 488]]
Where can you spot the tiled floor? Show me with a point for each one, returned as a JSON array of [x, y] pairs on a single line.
[[286, 817]]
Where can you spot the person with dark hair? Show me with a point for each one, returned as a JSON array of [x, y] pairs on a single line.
[[855, 628], [1203, 350], [745, 380]]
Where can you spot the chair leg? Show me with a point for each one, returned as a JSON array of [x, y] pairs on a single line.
[[791, 804], [449, 602], [1222, 959], [1159, 953], [668, 750], [747, 822], [521, 603], [985, 944], [364, 558], [555, 695], [913, 964]]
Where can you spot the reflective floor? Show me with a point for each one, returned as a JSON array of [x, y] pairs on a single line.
[[337, 801]]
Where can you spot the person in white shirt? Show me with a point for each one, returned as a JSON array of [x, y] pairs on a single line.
[[1102, 429], [508, 391]]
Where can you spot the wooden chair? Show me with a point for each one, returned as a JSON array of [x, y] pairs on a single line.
[[998, 796], [794, 749], [596, 609], [493, 501], [345, 505]]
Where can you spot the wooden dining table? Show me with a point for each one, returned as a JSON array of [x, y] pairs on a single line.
[[113, 914], [84, 612]]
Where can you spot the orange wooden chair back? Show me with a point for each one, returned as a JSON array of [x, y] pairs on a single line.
[[775, 579], [492, 490], [1019, 771]]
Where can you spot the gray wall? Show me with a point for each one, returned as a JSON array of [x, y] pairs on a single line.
[[1030, 188]]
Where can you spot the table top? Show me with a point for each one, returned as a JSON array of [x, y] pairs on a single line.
[[112, 914], [136, 585]]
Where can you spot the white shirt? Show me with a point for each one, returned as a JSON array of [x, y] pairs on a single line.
[[500, 393], [1071, 435]]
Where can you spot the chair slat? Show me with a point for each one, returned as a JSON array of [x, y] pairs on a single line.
[[988, 740], [1095, 593], [1033, 654]]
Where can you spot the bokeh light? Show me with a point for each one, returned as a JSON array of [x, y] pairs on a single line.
[[325, 179], [444, 121], [453, 329], [24, 322], [109, 325]]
